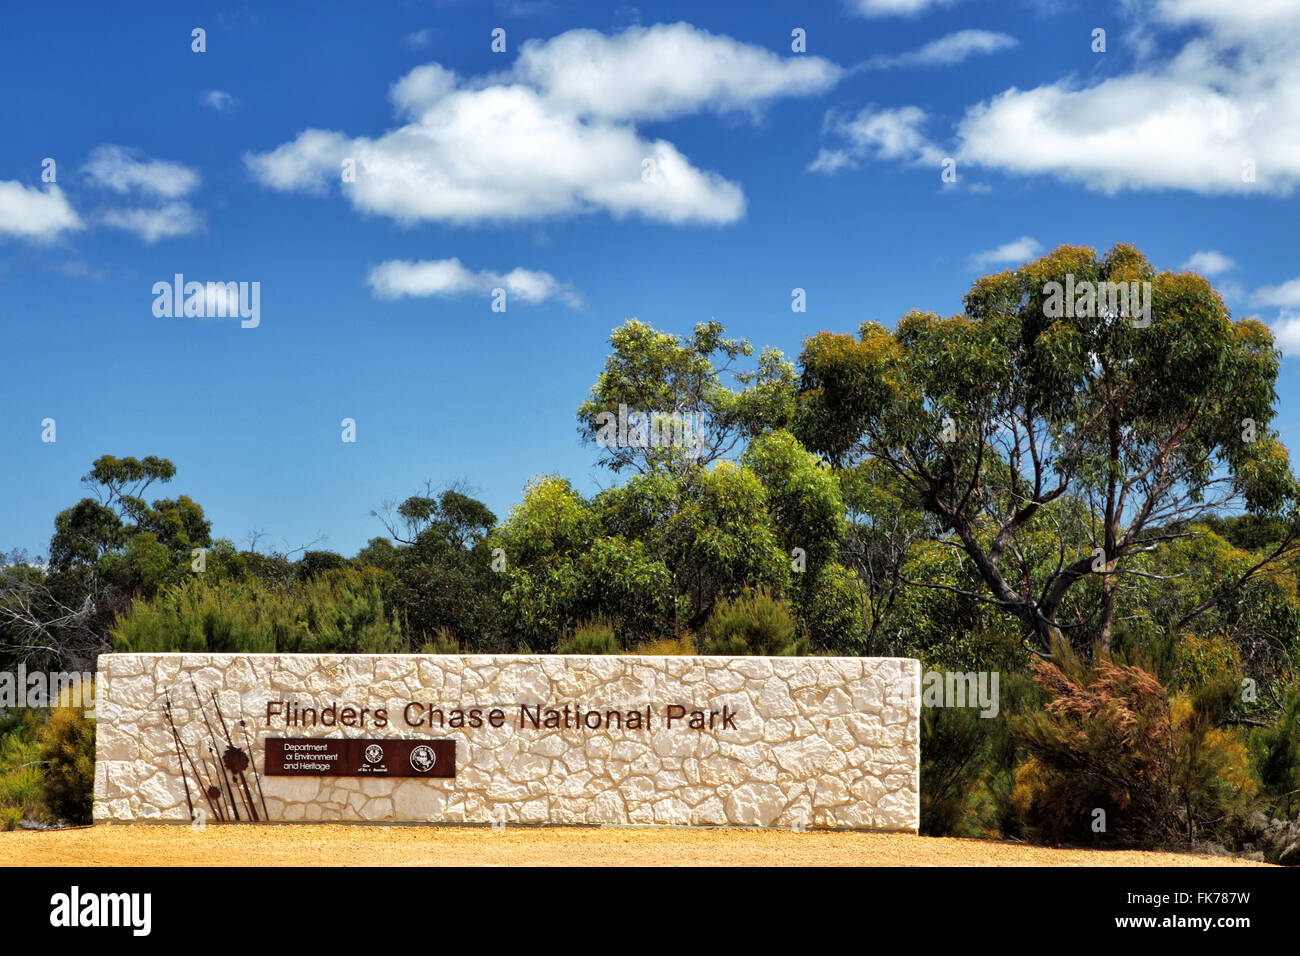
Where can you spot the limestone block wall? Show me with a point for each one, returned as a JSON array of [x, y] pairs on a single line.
[[745, 741]]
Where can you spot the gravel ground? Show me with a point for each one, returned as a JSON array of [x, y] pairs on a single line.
[[335, 845]]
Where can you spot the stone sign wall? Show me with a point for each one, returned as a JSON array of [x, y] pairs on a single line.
[[510, 739]]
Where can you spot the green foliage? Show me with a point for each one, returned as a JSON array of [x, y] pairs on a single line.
[[336, 612], [803, 496], [313, 563], [67, 742], [448, 591], [1029, 434], [270, 570], [953, 745], [657, 372], [564, 568], [1248, 532], [378, 553], [22, 794], [968, 764], [1203, 662], [720, 539], [752, 623], [1111, 738], [831, 605], [1275, 756], [591, 637], [1252, 628], [225, 561], [444, 642], [143, 567]]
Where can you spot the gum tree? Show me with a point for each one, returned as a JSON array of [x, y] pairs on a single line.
[[658, 373], [1111, 432], [105, 551], [691, 523]]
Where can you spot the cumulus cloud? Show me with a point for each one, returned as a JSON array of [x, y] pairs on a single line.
[[1209, 262], [1286, 333], [399, 279], [39, 215], [948, 50], [880, 134], [154, 223], [663, 71], [124, 170], [1285, 294], [156, 186], [1221, 115], [1009, 253], [553, 135]]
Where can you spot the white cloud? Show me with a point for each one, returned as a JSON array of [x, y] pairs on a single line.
[[400, 278], [118, 168], [420, 38], [1209, 262], [35, 214], [1009, 253], [1231, 94], [1286, 333], [128, 172], [1230, 290], [151, 224], [555, 134], [664, 71], [894, 8], [1286, 294], [219, 100], [1228, 95], [881, 134], [948, 50], [309, 163]]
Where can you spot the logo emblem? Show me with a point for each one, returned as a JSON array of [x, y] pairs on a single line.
[[374, 753], [422, 758]]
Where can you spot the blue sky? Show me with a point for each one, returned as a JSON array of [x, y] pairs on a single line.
[[774, 170]]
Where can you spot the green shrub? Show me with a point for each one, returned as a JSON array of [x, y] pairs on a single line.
[[1113, 739], [444, 642], [592, 637], [832, 604], [1275, 755], [953, 749], [68, 753], [683, 646], [754, 623], [968, 764], [21, 793], [340, 611], [1205, 661]]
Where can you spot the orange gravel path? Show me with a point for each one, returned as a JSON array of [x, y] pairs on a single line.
[[336, 845]]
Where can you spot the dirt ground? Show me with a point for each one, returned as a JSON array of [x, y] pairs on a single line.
[[335, 845]]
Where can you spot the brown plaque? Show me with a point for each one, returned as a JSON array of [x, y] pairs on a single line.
[[333, 757]]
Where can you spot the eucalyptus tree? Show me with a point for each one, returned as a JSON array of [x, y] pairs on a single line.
[[1056, 410]]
